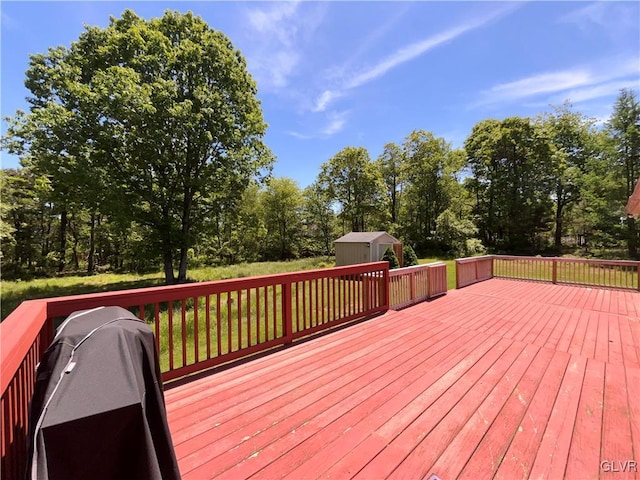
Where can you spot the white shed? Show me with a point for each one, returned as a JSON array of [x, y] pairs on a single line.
[[365, 247]]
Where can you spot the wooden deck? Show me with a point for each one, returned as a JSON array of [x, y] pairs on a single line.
[[502, 379]]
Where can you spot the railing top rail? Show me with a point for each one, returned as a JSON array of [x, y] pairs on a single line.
[[17, 333], [568, 260], [60, 306], [474, 259], [19, 330], [424, 266]]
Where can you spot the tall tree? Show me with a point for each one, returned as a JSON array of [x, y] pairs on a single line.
[[355, 183], [390, 164], [282, 210], [510, 162], [320, 219], [572, 142], [429, 178], [624, 126], [164, 109]]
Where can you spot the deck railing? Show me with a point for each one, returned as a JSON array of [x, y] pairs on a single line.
[[593, 273], [411, 285], [473, 269], [197, 326]]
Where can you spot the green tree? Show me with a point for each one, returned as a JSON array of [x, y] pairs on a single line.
[[354, 182], [429, 182], [391, 257], [390, 163], [624, 127], [245, 233], [29, 224], [282, 209], [453, 232], [510, 161], [409, 256], [596, 215], [319, 218], [571, 138], [164, 110]]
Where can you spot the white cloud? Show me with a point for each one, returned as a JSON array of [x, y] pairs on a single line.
[[275, 21], [8, 22], [406, 54], [541, 83], [337, 121], [277, 33], [334, 123], [611, 16], [325, 98], [578, 84], [591, 93]]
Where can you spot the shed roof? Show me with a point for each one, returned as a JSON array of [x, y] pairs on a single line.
[[633, 205], [364, 237]]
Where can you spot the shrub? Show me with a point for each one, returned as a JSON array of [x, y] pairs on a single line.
[[410, 257], [390, 256], [474, 246]]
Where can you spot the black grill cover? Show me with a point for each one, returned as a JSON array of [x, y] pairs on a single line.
[[98, 408]]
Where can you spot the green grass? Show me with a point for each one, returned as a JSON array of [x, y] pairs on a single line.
[[14, 293], [580, 273], [231, 339], [451, 270]]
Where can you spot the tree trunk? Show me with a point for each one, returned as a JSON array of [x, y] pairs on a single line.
[[632, 238], [558, 233], [63, 239], [186, 230], [92, 245], [76, 241], [182, 270], [169, 276]]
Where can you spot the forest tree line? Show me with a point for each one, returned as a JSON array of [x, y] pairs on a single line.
[[143, 148], [519, 185]]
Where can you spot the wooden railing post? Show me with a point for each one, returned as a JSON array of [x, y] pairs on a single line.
[[554, 274], [366, 286], [287, 312], [638, 277], [412, 286], [386, 290]]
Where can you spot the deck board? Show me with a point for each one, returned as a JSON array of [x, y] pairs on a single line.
[[503, 379]]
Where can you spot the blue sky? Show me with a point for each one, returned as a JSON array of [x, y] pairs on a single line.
[[337, 74]]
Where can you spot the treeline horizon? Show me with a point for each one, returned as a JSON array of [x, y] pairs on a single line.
[[519, 186], [143, 149]]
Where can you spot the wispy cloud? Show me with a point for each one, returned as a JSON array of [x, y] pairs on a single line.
[[406, 54], [8, 22], [325, 98], [611, 16], [336, 122], [577, 84], [333, 123], [277, 32]]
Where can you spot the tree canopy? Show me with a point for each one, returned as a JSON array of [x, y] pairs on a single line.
[[158, 119]]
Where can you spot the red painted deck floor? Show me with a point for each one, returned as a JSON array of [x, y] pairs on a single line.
[[502, 379]]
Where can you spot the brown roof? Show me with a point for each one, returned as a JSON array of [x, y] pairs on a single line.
[[633, 205]]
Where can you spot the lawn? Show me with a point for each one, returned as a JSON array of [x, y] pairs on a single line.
[[257, 324], [14, 293], [451, 270]]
